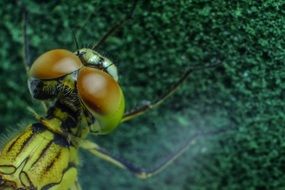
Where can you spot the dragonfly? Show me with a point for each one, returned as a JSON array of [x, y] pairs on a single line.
[[85, 98]]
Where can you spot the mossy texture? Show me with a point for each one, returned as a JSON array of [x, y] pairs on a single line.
[[244, 95]]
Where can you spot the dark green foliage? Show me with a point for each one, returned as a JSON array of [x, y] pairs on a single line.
[[245, 94]]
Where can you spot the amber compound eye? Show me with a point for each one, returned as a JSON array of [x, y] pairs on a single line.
[[54, 64], [102, 95]]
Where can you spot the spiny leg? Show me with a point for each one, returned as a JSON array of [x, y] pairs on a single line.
[[142, 173], [150, 105], [115, 27]]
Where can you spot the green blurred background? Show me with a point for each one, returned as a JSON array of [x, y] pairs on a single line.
[[244, 95]]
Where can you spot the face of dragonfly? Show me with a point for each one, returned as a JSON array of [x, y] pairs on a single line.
[[85, 78]]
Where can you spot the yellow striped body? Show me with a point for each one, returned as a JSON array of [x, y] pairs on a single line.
[[38, 159]]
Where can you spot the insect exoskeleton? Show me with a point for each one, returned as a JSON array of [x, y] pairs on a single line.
[[102, 96], [91, 77], [54, 64], [94, 59]]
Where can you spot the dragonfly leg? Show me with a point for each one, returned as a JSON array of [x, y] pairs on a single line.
[[140, 172]]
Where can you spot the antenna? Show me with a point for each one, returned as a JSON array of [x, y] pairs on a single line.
[[115, 27], [75, 41]]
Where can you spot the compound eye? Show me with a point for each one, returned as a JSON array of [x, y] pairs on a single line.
[[98, 90], [54, 64], [103, 97]]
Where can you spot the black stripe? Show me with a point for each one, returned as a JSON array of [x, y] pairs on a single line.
[[43, 152], [13, 143], [53, 162], [25, 143]]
